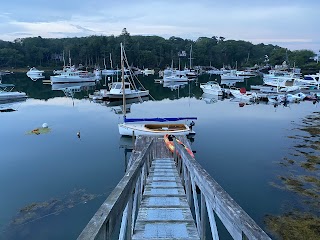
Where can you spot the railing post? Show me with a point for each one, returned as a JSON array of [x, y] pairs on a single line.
[[203, 217], [212, 221], [135, 202], [129, 218], [124, 222], [196, 205]]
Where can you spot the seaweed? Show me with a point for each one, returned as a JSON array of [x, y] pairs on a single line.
[[38, 210], [304, 224], [294, 225]]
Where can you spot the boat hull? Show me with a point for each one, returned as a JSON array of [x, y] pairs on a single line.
[[127, 95], [8, 96], [129, 129], [249, 96], [63, 79]]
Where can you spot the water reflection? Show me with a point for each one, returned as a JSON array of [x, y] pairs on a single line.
[[69, 89], [229, 82], [35, 78], [209, 98], [117, 106], [126, 143], [173, 85], [11, 105]]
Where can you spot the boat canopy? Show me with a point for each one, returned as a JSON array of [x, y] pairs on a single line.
[[158, 119]]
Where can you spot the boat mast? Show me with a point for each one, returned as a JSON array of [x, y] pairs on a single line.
[[104, 63], [190, 57], [64, 61], [69, 59], [123, 87], [111, 62]]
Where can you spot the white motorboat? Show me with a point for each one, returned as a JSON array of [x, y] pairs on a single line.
[[246, 73], [147, 71], [136, 127], [7, 93], [211, 87], [309, 80], [71, 75], [215, 71], [109, 72], [232, 75], [243, 94], [34, 72], [116, 91]]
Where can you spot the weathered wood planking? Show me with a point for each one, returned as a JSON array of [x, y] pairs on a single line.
[[162, 191]]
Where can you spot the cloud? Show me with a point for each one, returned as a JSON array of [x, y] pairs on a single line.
[[290, 21]]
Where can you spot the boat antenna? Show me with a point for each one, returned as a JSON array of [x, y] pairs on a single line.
[[69, 59], [123, 85], [110, 61], [64, 61], [191, 57]]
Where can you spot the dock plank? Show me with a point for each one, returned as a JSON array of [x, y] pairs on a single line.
[[164, 211]]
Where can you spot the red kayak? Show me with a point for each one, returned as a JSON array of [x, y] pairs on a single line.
[[168, 139]]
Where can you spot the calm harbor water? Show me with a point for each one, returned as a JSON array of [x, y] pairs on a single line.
[[52, 184]]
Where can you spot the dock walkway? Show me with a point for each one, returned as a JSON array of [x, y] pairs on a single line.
[[164, 211], [168, 197]]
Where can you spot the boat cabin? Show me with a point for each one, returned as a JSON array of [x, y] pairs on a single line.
[[116, 87]]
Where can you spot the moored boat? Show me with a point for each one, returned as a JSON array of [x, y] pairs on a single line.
[[242, 94], [34, 72], [72, 75], [7, 93], [211, 87], [138, 126]]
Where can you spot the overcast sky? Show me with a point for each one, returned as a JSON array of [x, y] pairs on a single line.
[[292, 24]]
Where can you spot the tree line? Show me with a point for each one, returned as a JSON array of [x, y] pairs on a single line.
[[148, 52]]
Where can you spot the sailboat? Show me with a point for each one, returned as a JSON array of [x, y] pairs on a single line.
[[108, 72], [158, 126]]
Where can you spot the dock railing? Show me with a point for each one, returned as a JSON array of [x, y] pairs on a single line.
[[123, 201], [201, 188], [116, 217]]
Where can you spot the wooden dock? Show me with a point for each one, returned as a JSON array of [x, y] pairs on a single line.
[[168, 197], [164, 211]]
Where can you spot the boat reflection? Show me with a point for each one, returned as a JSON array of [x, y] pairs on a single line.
[[126, 143], [229, 82], [69, 89], [11, 105], [35, 78], [117, 106], [174, 85], [210, 98]]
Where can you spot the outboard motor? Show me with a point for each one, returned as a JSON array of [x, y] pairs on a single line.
[[191, 125]]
